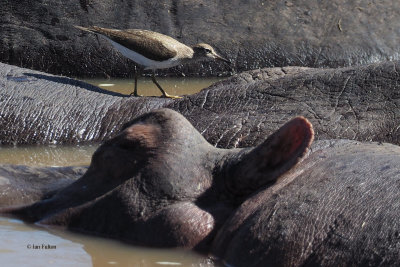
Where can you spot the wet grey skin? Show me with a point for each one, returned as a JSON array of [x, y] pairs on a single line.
[[154, 50]]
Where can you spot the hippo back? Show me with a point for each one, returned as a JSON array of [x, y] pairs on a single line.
[[340, 206]]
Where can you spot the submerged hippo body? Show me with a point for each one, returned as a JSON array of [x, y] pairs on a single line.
[[159, 183], [21, 184]]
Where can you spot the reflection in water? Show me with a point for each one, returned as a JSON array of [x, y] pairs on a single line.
[[22, 244], [110, 252], [173, 86]]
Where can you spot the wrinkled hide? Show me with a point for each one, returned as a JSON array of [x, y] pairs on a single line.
[[338, 207], [359, 103]]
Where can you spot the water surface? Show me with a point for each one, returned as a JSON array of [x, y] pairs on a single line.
[[48, 155], [172, 85], [29, 245]]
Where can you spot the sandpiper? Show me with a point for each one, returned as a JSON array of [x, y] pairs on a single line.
[[153, 50]]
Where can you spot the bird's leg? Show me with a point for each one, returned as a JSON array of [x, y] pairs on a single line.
[[135, 93], [165, 94]]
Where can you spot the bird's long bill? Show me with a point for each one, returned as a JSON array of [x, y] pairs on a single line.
[[218, 57], [82, 28]]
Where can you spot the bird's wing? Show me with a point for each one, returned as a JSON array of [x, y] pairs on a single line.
[[143, 42]]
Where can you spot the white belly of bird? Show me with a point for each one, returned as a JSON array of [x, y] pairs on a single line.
[[144, 61]]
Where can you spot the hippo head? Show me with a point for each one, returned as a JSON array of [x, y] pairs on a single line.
[[159, 183]]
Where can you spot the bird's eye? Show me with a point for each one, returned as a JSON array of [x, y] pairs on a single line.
[[208, 50]]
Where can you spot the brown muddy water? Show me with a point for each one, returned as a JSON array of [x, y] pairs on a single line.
[[173, 86], [30, 245]]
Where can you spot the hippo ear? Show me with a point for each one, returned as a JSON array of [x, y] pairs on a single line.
[[266, 162]]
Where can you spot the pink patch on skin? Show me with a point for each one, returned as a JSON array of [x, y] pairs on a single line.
[[299, 134], [147, 134]]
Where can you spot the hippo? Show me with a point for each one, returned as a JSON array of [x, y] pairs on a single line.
[[252, 34], [338, 207], [359, 103], [284, 202], [160, 183], [21, 184]]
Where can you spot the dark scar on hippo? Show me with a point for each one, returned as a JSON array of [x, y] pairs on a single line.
[[159, 183]]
